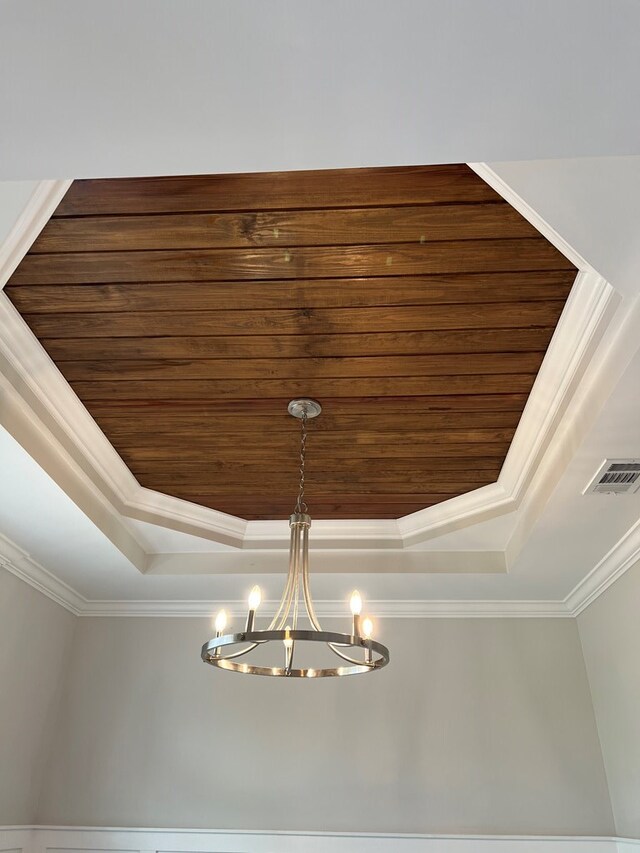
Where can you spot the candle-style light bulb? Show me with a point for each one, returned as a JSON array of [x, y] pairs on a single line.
[[356, 609], [221, 622], [356, 603], [288, 651], [367, 630], [255, 597]]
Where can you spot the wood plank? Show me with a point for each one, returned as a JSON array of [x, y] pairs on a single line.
[[402, 489], [283, 228], [277, 190], [321, 442], [353, 506], [149, 448], [308, 293], [335, 512], [333, 489], [333, 484], [229, 389], [449, 256], [179, 421], [303, 368], [298, 322], [476, 468], [374, 407], [323, 500], [342, 512], [510, 339]]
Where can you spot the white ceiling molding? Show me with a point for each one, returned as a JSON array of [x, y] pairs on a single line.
[[587, 313], [624, 554], [338, 609], [607, 347], [617, 561], [606, 365], [21, 564], [35, 215], [30, 423]]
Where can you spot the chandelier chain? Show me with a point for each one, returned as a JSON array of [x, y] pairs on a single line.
[[301, 505]]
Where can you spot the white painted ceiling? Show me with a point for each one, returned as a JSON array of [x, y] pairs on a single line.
[[186, 86], [189, 87]]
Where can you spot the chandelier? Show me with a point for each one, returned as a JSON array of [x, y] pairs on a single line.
[[358, 651]]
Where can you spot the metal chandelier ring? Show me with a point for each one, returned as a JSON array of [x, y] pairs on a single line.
[[211, 653]]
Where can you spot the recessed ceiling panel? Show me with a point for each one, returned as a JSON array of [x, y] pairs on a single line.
[[414, 303]]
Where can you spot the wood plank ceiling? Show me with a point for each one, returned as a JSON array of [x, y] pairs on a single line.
[[413, 303]]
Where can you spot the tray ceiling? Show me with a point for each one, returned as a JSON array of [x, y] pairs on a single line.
[[185, 312]]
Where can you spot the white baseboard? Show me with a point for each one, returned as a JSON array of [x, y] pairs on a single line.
[[47, 839]]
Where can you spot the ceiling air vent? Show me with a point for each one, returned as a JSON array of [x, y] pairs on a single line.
[[616, 477]]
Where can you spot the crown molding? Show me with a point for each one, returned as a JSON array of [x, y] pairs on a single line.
[[587, 313], [332, 609], [20, 563], [30, 423], [23, 566], [624, 554], [606, 366], [36, 213]]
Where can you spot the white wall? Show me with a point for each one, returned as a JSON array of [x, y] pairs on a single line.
[[610, 633], [593, 203], [14, 196], [478, 726], [35, 639]]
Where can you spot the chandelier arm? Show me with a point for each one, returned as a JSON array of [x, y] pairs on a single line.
[[346, 657], [274, 622], [277, 622], [296, 590], [287, 598], [273, 625], [295, 530], [306, 591]]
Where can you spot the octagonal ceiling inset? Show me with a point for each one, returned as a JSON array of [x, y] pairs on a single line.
[[414, 303]]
